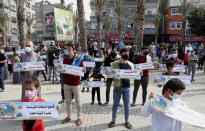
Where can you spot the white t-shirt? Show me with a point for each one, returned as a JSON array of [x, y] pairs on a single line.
[[102, 45], [160, 122], [188, 48], [95, 46]]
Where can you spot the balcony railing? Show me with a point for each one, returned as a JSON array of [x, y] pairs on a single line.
[[149, 17]]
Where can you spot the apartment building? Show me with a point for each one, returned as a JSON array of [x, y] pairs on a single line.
[[151, 7], [173, 19], [10, 8], [45, 25]]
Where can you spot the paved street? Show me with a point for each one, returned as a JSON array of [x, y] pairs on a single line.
[[97, 117]]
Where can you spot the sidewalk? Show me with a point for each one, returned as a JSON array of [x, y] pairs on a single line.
[[96, 118]]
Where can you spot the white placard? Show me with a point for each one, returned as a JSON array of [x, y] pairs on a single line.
[[29, 66], [145, 66], [88, 64], [93, 84]]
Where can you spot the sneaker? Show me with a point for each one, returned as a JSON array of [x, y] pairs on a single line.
[[100, 103], [49, 79], [105, 104], [133, 104], [88, 91], [62, 101], [111, 124], [128, 125], [92, 103]]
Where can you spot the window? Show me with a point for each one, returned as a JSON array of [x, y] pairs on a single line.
[[109, 11], [28, 14], [33, 7], [130, 25], [28, 5], [149, 12], [103, 14], [173, 11], [14, 31], [172, 25], [179, 25]]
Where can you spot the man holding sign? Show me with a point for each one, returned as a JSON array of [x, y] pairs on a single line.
[[72, 85], [29, 56], [121, 87]]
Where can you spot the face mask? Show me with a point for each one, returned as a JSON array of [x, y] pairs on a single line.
[[66, 52], [146, 53], [86, 54], [175, 96], [28, 49], [192, 53], [125, 57], [174, 55], [30, 94]]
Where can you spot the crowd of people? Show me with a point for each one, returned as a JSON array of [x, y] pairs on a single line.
[[117, 56]]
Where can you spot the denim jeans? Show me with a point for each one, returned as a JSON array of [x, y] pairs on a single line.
[[2, 78], [50, 71], [126, 101]]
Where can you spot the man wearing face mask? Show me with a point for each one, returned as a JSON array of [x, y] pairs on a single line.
[[192, 60], [121, 87], [141, 58], [29, 56], [174, 58]]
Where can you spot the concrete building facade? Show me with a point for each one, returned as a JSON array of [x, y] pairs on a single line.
[[10, 8], [151, 7]]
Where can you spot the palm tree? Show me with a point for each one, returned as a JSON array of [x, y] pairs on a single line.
[[3, 24], [157, 21], [21, 21], [120, 11], [81, 24], [185, 9], [140, 22], [99, 6], [29, 22], [76, 19], [107, 21], [134, 18]]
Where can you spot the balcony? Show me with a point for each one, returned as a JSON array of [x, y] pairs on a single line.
[[93, 18], [149, 17]]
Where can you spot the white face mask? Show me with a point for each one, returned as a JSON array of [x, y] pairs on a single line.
[[66, 52], [28, 49]]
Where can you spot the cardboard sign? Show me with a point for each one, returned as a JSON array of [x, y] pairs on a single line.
[[120, 73], [89, 64], [28, 111], [177, 68], [145, 66], [88, 84], [178, 110], [69, 69], [29, 66], [163, 79]]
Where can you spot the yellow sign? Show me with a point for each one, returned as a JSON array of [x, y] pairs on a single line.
[[64, 24]]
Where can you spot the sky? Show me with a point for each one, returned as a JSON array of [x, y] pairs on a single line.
[[86, 6]]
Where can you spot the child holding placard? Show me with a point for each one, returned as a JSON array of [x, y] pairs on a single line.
[[32, 88], [160, 122], [97, 76]]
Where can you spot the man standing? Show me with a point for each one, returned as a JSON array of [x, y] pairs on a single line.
[[72, 85], [193, 59], [141, 58], [3, 60], [29, 56], [152, 49], [121, 87], [111, 58]]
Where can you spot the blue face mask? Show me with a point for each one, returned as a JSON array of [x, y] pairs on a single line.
[[175, 96], [174, 55], [66, 52]]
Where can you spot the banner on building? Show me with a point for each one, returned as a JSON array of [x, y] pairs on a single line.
[[64, 24], [69, 69], [29, 66], [28, 111], [145, 66], [177, 110], [161, 80], [87, 84]]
